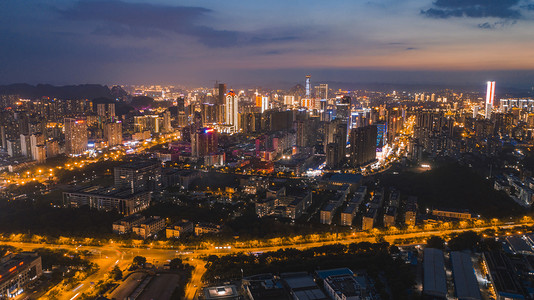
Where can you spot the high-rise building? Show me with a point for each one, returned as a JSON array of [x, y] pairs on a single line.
[[37, 146], [203, 142], [221, 90], [113, 133], [289, 100], [232, 110], [321, 91], [105, 111], [490, 97], [75, 136], [363, 145], [25, 145], [167, 121], [332, 155], [13, 148], [308, 86], [264, 103]]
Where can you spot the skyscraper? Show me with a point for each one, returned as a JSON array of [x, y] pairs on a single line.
[[264, 103], [232, 110], [308, 86], [221, 89], [75, 136], [490, 97], [204, 142], [321, 91], [363, 145], [113, 133]]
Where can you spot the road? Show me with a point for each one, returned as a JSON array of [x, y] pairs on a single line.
[[107, 256]]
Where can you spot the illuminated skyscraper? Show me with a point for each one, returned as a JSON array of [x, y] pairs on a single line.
[[232, 110], [490, 97], [113, 133], [308, 86], [204, 142], [75, 136], [321, 91], [264, 103]]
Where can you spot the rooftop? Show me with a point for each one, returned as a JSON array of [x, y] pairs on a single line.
[[434, 282]]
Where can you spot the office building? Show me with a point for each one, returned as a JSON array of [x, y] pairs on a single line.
[[17, 271], [112, 198], [75, 136], [138, 176]]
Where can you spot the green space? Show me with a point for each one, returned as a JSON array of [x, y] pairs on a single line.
[[453, 186]]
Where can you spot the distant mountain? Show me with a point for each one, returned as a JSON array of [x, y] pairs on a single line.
[[82, 91]]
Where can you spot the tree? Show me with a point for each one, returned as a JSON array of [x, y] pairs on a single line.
[[176, 264], [465, 240], [139, 261], [116, 273], [435, 242]]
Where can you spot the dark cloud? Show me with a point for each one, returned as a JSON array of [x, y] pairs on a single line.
[[504, 9], [410, 48], [497, 25], [143, 20]]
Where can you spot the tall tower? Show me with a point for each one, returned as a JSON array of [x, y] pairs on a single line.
[[490, 97], [308, 86], [231, 109]]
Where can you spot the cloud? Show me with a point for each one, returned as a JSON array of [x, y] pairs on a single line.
[[503, 9], [145, 20], [411, 48], [497, 25]]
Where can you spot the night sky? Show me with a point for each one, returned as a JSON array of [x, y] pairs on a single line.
[[267, 42]]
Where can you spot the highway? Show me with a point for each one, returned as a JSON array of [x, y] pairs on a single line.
[[107, 256]]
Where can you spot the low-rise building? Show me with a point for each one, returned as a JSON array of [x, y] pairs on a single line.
[[207, 228], [451, 214], [149, 227], [434, 278], [226, 292], [411, 211], [465, 282], [112, 198], [126, 224], [301, 286], [179, 229], [504, 281], [343, 284], [17, 271]]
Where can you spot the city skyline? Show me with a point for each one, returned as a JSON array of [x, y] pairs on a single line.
[[197, 42]]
